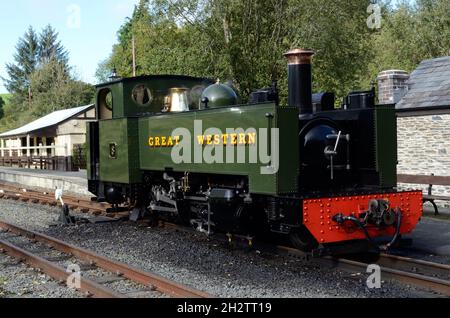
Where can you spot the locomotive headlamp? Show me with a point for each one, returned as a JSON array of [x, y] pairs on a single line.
[[177, 101]]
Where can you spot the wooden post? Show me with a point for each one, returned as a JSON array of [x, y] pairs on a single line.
[[44, 142], [28, 147], [35, 146], [133, 44], [19, 151], [2, 145], [10, 150]]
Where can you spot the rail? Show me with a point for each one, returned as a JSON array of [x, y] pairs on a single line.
[[160, 284]]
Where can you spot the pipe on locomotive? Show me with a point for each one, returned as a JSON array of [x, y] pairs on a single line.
[[300, 79]]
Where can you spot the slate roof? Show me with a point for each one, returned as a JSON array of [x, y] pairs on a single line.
[[50, 120], [429, 86]]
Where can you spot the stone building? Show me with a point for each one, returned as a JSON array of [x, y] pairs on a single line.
[[49, 142], [423, 109]]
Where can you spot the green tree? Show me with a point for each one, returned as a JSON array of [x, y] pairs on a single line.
[[251, 36], [2, 104], [51, 48], [55, 89], [40, 80], [31, 51], [103, 71], [26, 60], [410, 33], [244, 40], [433, 28], [337, 31]]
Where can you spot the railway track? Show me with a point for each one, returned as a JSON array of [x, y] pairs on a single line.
[[33, 246], [430, 276], [427, 275], [81, 205]]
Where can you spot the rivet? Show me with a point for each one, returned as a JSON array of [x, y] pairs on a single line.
[[331, 229], [337, 227], [322, 223], [322, 240], [322, 217], [322, 232]]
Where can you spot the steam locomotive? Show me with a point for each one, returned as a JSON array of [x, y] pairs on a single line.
[[182, 148]]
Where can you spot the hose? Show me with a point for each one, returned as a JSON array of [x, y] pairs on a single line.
[[340, 219], [397, 232]]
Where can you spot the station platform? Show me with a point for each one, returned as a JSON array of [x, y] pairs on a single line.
[[432, 236], [70, 182]]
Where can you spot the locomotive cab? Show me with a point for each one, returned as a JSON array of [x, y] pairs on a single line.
[[146, 95]]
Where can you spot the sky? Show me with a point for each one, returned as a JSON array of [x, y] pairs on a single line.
[[87, 29]]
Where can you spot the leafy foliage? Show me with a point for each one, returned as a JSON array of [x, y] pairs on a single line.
[[26, 60], [2, 104], [54, 89], [50, 48], [410, 34], [40, 81], [243, 41]]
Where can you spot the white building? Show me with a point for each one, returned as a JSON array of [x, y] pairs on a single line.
[[423, 108], [49, 142]]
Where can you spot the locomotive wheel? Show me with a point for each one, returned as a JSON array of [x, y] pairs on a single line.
[[303, 240]]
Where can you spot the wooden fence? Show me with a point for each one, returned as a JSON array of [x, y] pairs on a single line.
[[37, 157], [43, 163]]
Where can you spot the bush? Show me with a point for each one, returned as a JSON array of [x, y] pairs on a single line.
[[79, 157]]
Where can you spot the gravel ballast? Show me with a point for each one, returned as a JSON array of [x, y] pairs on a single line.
[[195, 261], [17, 280]]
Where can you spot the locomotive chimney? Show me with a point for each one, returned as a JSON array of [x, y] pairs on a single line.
[[300, 79]]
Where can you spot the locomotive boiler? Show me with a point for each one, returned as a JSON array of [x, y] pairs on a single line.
[[184, 149]]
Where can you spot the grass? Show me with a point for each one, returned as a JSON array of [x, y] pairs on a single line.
[[5, 97]]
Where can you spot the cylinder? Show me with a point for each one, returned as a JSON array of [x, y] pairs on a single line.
[[300, 79]]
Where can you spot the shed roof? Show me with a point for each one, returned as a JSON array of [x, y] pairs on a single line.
[[429, 86], [50, 120]]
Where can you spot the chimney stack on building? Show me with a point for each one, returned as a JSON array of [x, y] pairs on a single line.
[[392, 86]]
